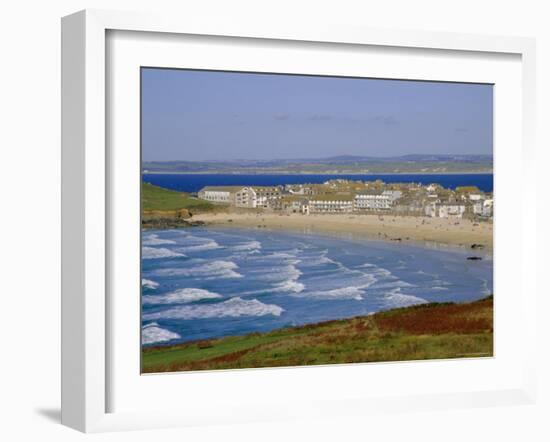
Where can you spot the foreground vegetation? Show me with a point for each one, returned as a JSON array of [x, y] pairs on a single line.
[[157, 198], [429, 331], [164, 208]]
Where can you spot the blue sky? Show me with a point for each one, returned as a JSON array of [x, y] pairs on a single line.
[[202, 115]]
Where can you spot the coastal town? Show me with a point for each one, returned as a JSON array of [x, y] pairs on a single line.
[[339, 196]]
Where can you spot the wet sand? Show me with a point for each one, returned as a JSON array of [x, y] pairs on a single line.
[[460, 232]]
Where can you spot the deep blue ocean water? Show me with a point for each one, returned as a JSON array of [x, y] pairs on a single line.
[[194, 182], [201, 283]]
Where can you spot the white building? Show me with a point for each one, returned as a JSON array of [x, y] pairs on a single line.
[[246, 197], [376, 201], [239, 196], [290, 204], [432, 187], [330, 204], [488, 208], [445, 210], [264, 195], [219, 194], [483, 208]]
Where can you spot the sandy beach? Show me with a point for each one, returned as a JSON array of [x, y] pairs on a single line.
[[459, 232]]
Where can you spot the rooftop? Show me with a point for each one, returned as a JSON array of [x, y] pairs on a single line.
[[333, 197], [221, 188]]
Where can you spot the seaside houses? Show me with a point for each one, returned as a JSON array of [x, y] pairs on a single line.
[[483, 208], [330, 203], [488, 208], [445, 210], [241, 196], [245, 197], [290, 204], [376, 200], [257, 197], [219, 194], [346, 196], [264, 195]]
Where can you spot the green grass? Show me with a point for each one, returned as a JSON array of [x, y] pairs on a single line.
[[430, 331], [158, 198]]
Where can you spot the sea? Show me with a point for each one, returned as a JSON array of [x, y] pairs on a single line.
[[202, 282], [194, 182]]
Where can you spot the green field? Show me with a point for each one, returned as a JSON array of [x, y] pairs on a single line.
[[429, 331], [157, 198]]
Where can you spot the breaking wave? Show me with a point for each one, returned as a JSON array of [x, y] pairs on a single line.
[[288, 279], [290, 285], [234, 307], [341, 293], [319, 260], [154, 240], [395, 298], [288, 254], [206, 245], [152, 333], [181, 296], [392, 284], [251, 245], [284, 273], [210, 270], [149, 284], [159, 253]]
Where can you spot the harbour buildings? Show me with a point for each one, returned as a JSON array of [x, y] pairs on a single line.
[[347, 196]]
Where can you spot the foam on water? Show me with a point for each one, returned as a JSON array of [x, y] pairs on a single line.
[[318, 260], [181, 296], [395, 298], [152, 334], [209, 270], [392, 284], [378, 271], [159, 253], [287, 254], [485, 287], [249, 246], [289, 286], [207, 245], [236, 281], [341, 293], [283, 279], [154, 240], [234, 307], [367, 265], [287, 272], [149, 284]]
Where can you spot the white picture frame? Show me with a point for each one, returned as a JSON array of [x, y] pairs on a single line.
[[86, 202]]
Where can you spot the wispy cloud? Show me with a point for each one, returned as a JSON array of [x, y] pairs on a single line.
[[386, 120], [320, 117], [281, 117]]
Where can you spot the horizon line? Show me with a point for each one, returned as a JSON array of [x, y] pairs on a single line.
[[327, 158]]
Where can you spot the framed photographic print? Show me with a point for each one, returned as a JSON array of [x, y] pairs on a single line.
[[262, 212], [267, 243]]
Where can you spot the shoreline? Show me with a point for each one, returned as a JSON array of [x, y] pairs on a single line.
[[426, 331], [390, 228]]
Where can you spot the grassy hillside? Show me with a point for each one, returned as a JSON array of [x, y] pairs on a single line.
[[429, 331], [154, 198]]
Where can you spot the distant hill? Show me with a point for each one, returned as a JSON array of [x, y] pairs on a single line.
[[342, 164]]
